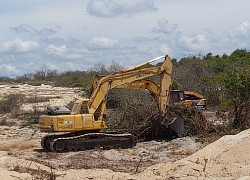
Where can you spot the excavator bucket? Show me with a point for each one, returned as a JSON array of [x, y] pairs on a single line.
[[177, 126]]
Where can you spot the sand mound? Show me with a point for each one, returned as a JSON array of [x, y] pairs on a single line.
[[227, 158]]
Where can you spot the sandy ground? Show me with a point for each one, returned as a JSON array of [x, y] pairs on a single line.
[[226, 158], [20, 149], [21, 156]]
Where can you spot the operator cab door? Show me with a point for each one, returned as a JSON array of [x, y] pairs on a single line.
[[83, 120]]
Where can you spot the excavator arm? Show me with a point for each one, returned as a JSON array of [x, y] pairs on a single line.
[[151, 86], [130, 75]]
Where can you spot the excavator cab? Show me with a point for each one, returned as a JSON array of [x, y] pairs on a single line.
[[80, 107], [177, 97], [188, 98]]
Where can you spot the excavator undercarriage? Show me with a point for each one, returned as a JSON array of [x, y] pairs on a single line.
[[73, 142]]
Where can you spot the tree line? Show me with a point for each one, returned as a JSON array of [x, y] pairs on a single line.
[[224, 80]]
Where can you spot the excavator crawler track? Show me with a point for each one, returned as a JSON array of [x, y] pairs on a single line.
[[89, 141], [46, 140]]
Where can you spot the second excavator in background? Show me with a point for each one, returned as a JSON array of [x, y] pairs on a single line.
[[188, 98]]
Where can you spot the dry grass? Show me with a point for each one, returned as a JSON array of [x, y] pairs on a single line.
[[7, 122], [175, 153], [188, 151], [36, 173], [16, 147], [175, 149], [11, 104], [37, 99], [161, 148]]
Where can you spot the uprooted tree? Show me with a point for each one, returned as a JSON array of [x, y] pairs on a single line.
[[134, 111]]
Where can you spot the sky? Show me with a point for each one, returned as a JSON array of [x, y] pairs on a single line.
[[78, 35]]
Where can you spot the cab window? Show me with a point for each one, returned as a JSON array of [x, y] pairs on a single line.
[[176, 97], [84, 108], [75, 107]]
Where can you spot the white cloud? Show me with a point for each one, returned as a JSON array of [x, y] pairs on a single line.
[[199, 42], [165, 49], [239, 36], [141, 39], [18, 46], [33, 31], [113, 8], [52, 49], [243, 28], [63, 52], [55, 40], [103, 42], [8, 69], [176, 42], [164, 26]]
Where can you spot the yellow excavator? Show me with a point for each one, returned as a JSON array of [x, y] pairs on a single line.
[[81, 128]]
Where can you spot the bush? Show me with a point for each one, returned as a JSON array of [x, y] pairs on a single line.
[[11, 104], [133, 107], [6, 122]]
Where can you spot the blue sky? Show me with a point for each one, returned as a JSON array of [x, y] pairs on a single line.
[[76, 35]]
